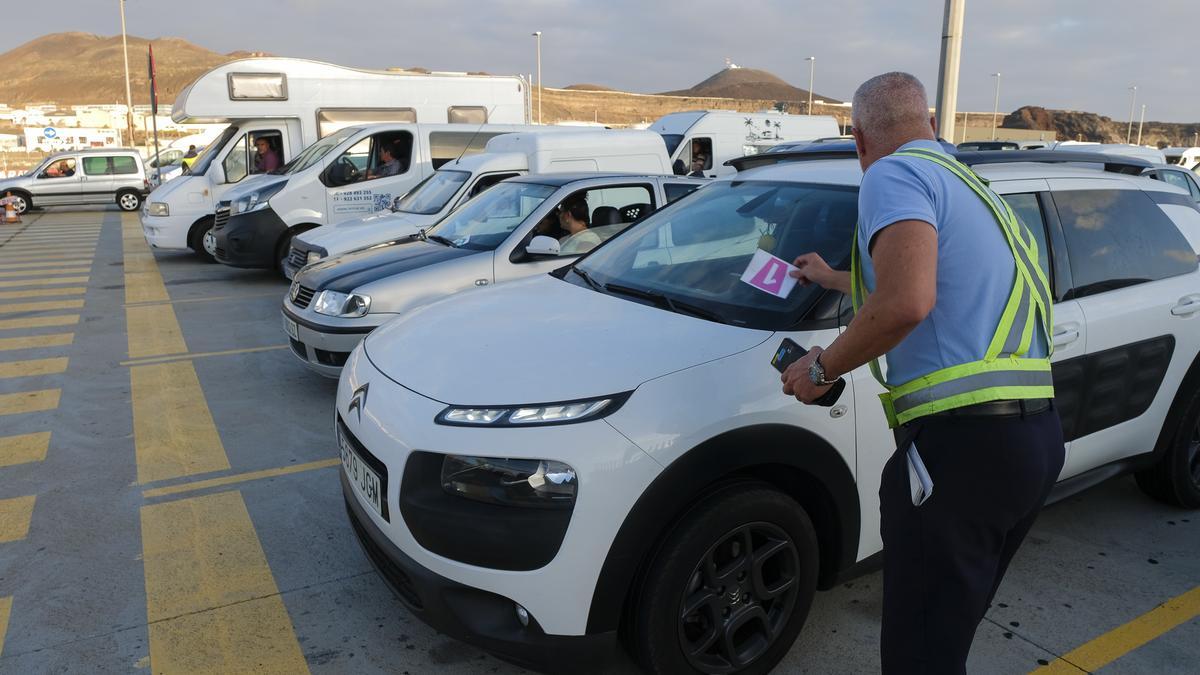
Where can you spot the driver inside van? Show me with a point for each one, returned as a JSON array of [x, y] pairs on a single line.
[[266, 159], [61, 169]]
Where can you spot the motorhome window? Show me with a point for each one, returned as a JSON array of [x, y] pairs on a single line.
[[447, 146], [467, 114], [433, 193], [483, 224], [695, 250], [317, 151], [200, 165], [258, 86], [330, 120]]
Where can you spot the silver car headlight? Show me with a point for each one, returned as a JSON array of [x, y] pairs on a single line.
[[541, 414], [158, 209], [344, 305]]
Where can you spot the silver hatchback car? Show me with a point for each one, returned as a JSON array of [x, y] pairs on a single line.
[[82, 177]]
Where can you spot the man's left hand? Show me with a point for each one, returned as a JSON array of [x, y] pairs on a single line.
[[796, 381]]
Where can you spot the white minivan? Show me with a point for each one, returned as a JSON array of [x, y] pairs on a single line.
[[290, 104], [721, 135], [541, 150]]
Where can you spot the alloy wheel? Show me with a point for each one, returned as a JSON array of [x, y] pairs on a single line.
[[209, 241], [739, 598], [129, 201], [20, 204]]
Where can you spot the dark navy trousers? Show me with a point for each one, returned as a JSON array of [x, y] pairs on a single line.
[[943, 560]]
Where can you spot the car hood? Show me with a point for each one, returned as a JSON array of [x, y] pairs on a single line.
[[254, 183], [348, 271], [540, 340], [366, 231]]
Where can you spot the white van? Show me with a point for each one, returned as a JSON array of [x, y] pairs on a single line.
[[293, 102], [722, 135], [1186, 157], [505, 156]]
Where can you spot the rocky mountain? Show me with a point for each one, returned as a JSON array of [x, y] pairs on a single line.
[[735, 82], [74, 68], [1072, 125]]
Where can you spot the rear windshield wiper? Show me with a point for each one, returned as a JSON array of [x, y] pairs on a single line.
[[667, 303]]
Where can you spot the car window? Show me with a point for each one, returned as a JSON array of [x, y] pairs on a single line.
[[381, 155], [610, 210], [1119, 238], [1175, 178], [1029, 212], [59, 168], [124, 164], [234, 163], [484, 223], [674, 191], [96, 166], [432, 194], [488, 181]]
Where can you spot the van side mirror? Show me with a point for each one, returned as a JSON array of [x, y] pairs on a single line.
[[679, 168], [542, 245]]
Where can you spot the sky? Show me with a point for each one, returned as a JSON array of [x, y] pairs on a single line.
[[1063, 54]]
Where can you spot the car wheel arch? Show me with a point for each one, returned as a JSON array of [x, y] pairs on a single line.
[[1179, 401], [197, 229], [817, 478]]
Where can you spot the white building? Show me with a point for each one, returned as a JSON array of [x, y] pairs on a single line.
[[54, 139], [9, 142]]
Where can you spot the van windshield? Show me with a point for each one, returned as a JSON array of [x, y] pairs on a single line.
[[433, 192], [199, 166], [672, 141], [315, 152], [691, 256], [485, 222]]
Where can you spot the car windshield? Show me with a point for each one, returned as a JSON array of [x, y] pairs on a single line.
[[694, 253], [313, 153], [672, 141], [484, 222], [433, 193], [199, 165]]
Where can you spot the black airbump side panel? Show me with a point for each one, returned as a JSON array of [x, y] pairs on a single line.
[[1104, 389]]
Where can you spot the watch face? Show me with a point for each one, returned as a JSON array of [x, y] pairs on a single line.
[[816, 373]]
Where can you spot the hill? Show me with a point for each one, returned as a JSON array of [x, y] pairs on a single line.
[[751, 83], [1085, 126], [75, 68]]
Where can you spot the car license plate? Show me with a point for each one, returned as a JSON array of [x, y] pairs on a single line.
[[366, 481], [290, 328]]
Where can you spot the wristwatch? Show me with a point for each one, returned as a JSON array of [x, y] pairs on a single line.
[[816, 374]]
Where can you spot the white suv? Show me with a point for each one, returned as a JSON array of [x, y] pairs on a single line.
[[539, 467]]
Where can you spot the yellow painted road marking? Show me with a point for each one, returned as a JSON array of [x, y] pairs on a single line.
[[30, 267], [20, 263], [45, 272], [29, 401], [43, 292], [239, 478], [153, 331], [40, 321], [36, 341], [214, 298], [23, 449], [44, 256], [33, 367], [1121, 640], [15, 515], [58, 245], [211, 601], [14, 307], [5, 610], [51, 281], [173, 431], [199, 355]]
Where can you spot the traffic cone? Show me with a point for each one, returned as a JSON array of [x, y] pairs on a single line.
[[10, 211]]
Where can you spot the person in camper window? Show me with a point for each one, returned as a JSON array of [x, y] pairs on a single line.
[[266, 159], [388, 164]]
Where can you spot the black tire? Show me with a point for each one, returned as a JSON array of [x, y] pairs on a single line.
[[1175, 479], [749, 600], [23, 202], [129, 200], [196, 240], [282, 249]]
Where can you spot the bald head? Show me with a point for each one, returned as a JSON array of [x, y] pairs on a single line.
[[889, 110]]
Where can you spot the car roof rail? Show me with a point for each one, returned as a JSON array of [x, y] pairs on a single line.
[[1112, 163], [769, 158]]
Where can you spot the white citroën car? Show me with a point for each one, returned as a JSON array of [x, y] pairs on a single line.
[[551, 465]]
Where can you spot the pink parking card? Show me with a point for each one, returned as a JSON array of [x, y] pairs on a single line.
[[769, 274]]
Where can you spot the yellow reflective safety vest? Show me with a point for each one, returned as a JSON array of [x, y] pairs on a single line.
[[1005, 372]]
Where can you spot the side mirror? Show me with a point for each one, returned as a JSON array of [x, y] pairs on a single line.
[[542, 245], [679, 168]]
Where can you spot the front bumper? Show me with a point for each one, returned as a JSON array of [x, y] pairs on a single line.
[[324, 349], [477, 617], [249, 239], [167, 232]]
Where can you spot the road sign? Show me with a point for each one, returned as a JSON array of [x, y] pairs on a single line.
[[49, 132]]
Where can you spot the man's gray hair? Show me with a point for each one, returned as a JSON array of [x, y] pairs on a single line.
[[890, 102]]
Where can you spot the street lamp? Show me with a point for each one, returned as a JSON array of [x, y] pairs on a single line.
[[812, 69], [995, 105], [1140, 123], [537, 35], [128, 94], [1132, 99]]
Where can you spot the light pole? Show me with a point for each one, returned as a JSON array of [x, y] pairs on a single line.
[[947, 93], [995, 105], [812, 70], [1132, 99], [537, 35], [128, 94], [1140, 123]]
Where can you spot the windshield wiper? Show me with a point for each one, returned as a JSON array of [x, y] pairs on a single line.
[[439, 239], [666, 302], [596, 285]]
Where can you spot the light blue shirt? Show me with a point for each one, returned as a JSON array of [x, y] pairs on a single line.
[[975, 265]]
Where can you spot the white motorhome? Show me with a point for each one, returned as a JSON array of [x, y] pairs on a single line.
[[505, 156], [720, 135], [1186, 157], [290, 103]]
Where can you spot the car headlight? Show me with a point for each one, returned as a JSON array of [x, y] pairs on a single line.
[[346, 305], [537, 483], [313, 256], [257, 200], [542, 414], [158, 209]]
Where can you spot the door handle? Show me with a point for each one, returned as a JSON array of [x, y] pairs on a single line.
[[1065, 335], [1187, 306]]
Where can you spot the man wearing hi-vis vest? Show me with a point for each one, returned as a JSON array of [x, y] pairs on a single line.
[[945, 282]]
